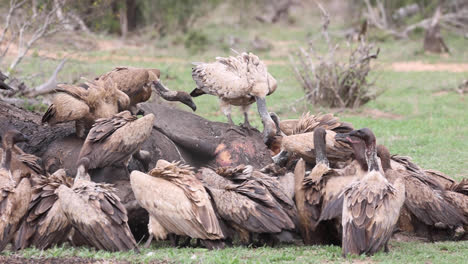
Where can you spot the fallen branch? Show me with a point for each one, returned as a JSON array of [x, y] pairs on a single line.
[[48, 86]]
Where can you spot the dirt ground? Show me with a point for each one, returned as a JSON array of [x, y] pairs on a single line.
[[69, 260]]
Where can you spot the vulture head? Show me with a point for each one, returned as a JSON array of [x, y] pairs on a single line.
[[11, 137]]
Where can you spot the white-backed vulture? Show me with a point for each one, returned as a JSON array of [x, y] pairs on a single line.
[[100, 99], [176, 202], [318, 194], [15, 192], [243, 203], [3, 85], [45, 224], [112, 141], [298, 138], [137, 83], [239, 81], [95, 211], [371, 205], [428, 204]]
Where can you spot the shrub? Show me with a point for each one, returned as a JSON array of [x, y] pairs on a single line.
[[329, 82]]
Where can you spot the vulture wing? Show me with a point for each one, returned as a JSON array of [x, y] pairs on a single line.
[[45, 224], [183, 208], [96, 212], [113, 140], [14, 203]]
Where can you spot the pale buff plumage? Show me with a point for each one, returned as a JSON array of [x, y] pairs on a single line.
[[45, 224], [176, 202], [101, 99], [14, 201], [240, 81], [95, 212], [113, 140], [371, 208]]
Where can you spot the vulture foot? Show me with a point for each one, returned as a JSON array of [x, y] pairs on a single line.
[[238, 130]]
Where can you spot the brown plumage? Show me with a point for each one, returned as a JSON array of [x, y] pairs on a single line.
[[112, 141], [176, 202], [3, 85], [371, 206], [318, 194], [245, 205], [239, 81], [428, 204], [308, 122], [137, 83], [95, 211], [100, 99], [15, 191], [45, 225], [26, 164]]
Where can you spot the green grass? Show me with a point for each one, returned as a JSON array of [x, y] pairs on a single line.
[[415, 252], [428, 125]]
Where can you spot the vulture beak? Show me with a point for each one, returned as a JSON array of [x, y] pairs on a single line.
[[343, 137]]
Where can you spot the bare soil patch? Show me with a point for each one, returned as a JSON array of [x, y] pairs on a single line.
[[409, 66]]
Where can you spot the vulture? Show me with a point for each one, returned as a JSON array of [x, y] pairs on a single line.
[[427, 203], [239, 81], [95, 212], [298, 138], [137, 83], [371, 205], [177, 203], [15, 191], [99, 99], [45, 224], [321, 189], [3, 85], [245, 204], [112, 141]]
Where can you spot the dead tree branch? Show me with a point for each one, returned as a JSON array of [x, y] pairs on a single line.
[[48, 86]]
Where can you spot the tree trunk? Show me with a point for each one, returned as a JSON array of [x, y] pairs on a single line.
[[433, 41], [123, 19]]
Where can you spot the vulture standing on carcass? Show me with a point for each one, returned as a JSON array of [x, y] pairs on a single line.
[[137, 83], [3, 85], [239, 81], [112, 141], [95, 212], [177, 204], [245, 204], [371, 205], [45, 224], [99, 99], [427, 204], [15, 190]]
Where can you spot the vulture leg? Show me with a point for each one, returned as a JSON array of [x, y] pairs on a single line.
[[269, 128], [246, 124], [148, 242], [174, 239], [226, 108]]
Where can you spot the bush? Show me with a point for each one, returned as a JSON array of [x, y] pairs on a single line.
[[196, 41], [331, 83]]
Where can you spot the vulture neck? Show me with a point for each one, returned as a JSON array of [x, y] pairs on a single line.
[[359, 150], [320, 146], [166, 93], [82, 174], [372, 158], [385, 160], [6, 158]]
